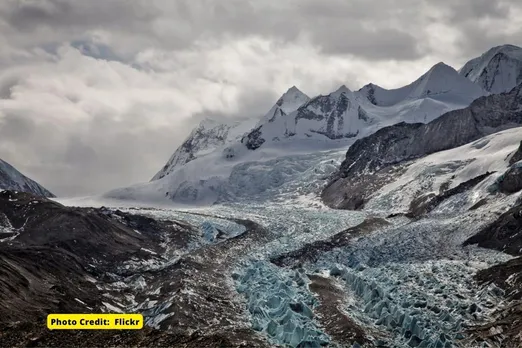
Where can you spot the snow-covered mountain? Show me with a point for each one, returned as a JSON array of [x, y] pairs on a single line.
[[498, 70], [375, 160], [223, 162], [12, 179], [344, 114], [211, 134], [205, 138]]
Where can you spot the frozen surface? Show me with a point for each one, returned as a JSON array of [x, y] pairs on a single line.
[[280, 305], [450, 168], [299, 141], [498, 70]]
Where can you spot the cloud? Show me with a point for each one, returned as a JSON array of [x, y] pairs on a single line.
[[98, 94]]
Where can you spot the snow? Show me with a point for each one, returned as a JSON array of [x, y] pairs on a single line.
[[498, 70], [299, 138], [454, 166], [112, 308]]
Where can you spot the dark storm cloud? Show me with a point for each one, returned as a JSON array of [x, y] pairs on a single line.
[[340, 27]]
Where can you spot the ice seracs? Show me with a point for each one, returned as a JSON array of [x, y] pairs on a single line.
[[498, 70]]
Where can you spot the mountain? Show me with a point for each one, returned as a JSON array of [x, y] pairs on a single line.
[[497, 70], [205, 138], [12, 179], [433, 260], [439, 82], [371, 162], [344, 114], [211, 134], [297, 139]]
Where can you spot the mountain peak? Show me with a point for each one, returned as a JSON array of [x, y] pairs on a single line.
[[497, 70], [442, 67], [340, 90], [12, 179], [291, 100]]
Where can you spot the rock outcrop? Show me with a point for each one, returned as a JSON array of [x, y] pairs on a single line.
[[12, 179], [393, 146]]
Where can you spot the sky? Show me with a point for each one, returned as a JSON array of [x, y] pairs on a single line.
[[98, 94]]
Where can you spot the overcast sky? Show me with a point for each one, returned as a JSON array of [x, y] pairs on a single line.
[[98, 94]]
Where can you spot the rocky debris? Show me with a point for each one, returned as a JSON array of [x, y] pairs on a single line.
[[505, 326], [65, 259], [507, 276], [426, 203], [405, 141], [12, 179], [37, 335], [311, 252], [505, 330], [36, 281], [52, 257], [503, 234], [334, 321], [195, 292], [86, 233]]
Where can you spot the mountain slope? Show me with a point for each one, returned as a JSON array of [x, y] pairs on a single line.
[[298, 139], [344, 114], [497, 70], [211, 134], [12, 179], [440, 80], [205, 138], [373, 157]]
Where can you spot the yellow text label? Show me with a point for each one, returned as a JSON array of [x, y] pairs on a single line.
[[95, 321]]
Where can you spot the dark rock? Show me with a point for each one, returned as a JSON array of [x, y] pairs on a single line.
[[517, 156], [425, 204], [311, 251], [254, 139], [511, 180], [503, 234], [394, 145], [12, 179]]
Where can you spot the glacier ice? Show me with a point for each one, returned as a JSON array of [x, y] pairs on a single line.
[[280, 305]]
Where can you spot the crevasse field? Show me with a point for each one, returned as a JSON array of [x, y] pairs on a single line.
[[408, 283]]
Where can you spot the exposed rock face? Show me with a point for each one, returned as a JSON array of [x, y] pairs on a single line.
[[503, 234], [399, 143], [425, 204], [47, 253], [254, 140], [511, 181], [12, 179], [517, 156]]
